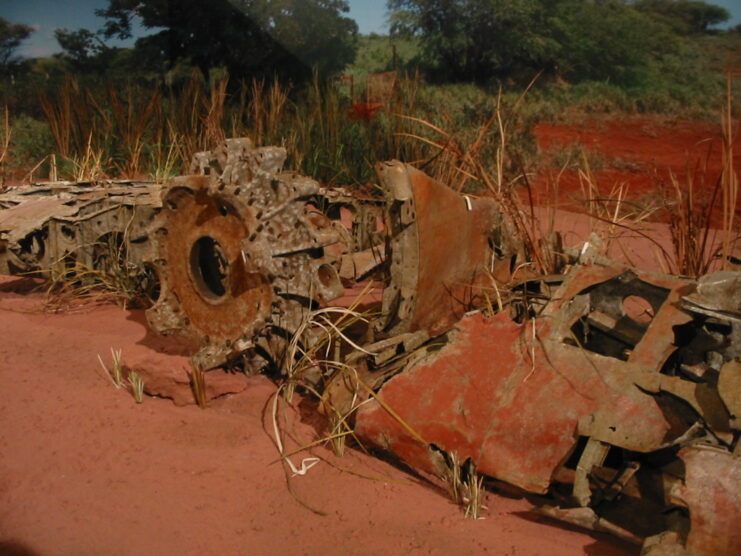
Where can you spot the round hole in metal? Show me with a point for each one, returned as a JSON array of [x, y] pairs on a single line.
[[209, 268]]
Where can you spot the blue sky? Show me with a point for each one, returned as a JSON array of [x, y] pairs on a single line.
[[47, 15]]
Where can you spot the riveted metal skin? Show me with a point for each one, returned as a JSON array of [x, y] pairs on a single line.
[[43, 226]]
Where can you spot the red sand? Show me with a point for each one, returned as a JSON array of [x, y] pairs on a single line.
[[639, 153], [84, 470]]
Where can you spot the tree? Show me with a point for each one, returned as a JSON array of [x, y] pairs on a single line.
[[607, 40], [686, 16], [83, 49], [248, 37], [483, 40], [315, 31], [475, 40], [11, 37]]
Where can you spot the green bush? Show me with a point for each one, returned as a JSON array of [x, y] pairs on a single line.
[[31, 141]]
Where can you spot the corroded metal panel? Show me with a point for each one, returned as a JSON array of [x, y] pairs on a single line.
[[440, 251], [505, 396]]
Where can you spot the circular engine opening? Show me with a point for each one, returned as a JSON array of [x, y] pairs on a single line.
[[209, 268]]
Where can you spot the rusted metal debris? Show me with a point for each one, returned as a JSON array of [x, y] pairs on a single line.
[[614, 400], [243, 251], [240, 255], [441, 246], [45, 229], [614, 392], [236, 253]]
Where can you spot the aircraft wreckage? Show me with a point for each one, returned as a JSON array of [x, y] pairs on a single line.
[[614, 392]]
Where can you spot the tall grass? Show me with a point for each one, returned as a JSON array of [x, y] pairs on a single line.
[[153, 131], [692, 218], [5, 132], [729, 177], [490, 159]]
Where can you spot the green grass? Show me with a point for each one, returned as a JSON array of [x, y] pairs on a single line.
[[30, 143], [375, 54]]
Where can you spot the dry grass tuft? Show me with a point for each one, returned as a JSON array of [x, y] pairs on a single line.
[[465, 165], [315, 353], [697, 249], [115, 373], [107, 275], [465, 485], [729, 177], [136, 382], [5, 134], [198, 386]]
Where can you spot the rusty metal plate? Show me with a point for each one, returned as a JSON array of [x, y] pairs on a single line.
[[515, 397], [710, 492], [497, 395], [440, 250]]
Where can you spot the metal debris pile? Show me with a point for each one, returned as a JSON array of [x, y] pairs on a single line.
[[614, 392]]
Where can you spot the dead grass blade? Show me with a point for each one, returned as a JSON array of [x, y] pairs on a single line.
[[729, 176]]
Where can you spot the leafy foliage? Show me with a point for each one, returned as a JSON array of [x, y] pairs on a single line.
[[84, 50], [11, 37], [611, 40], [685, 16], [314, 31], [248, 37], [475, 40]]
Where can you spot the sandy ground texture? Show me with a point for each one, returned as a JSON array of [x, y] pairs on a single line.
[[86, 471]]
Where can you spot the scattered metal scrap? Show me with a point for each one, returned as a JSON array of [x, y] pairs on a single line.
[[614, 392], [45, 229], [611, 400], [234, 254]]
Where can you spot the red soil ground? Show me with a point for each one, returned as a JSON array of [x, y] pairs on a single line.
[[86, 471], [638, 153]]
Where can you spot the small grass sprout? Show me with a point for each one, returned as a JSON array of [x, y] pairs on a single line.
[[115, 373], [137, 386], [198, 385]]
